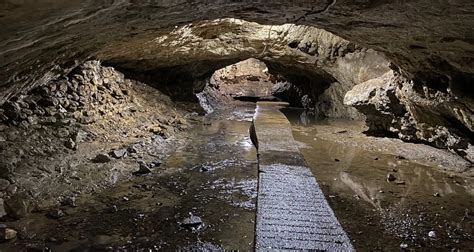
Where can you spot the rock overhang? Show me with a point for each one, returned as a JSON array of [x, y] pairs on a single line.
[[429, 52], [425, 39]]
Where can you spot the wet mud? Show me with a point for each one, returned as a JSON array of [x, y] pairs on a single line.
[[202, 197], [386, 201]]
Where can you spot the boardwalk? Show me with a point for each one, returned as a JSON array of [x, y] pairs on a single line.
[[292, 212]]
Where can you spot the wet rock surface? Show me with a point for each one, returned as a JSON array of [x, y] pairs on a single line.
[[351, 133], [381, 215], [394, 105], [346, 43], [418, 99], [292, 212], [177, 206], [212, 175], [404, 66]]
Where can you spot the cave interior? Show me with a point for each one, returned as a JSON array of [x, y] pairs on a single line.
[[129, 125]]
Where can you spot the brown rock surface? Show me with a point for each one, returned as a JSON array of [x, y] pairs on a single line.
[[427, 44], [97, 110]]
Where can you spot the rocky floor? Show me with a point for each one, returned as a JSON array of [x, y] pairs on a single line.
[[97, 161], [352, 133], [82, 134], [202, 197]]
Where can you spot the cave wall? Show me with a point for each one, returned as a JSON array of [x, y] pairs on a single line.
[[426, 39], [414, 57], [392, 104], [245, 79]]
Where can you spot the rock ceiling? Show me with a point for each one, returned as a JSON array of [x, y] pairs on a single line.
[[411, 62]]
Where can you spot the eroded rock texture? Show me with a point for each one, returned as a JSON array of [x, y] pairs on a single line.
[[391, 103], [409, 61], [308, 57], [247, 80], [78, 133]]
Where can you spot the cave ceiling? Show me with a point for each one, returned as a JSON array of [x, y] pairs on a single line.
[[430, 41]]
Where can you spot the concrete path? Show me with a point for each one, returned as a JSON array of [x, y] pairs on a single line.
[[292, 212]]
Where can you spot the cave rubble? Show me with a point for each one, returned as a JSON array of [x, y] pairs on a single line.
[[95, 92], [353, 42], [57, 137]]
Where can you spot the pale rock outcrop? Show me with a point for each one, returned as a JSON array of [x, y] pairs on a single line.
[[44, 40], [376, 99], [391, 104]]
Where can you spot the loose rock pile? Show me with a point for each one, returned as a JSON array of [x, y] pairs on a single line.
[[90, 92], [74, 134]]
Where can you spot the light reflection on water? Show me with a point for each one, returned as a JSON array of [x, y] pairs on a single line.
[[212, 175], [401, 211]]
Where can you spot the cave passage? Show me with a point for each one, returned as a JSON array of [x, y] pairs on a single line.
[[226, 134]]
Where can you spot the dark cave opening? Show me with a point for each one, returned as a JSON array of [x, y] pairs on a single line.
[[138, 137], [299, 87], [254, 80]]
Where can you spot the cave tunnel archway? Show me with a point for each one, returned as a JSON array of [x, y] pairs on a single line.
[[380, 91], [95, 93]]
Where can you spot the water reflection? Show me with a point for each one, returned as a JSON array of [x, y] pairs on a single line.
[[365, 192], [212, 175], [300, 116], [420, 199]]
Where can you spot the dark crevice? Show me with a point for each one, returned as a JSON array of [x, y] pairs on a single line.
[[435, 81], [309, 84], [170, 81], [329, 4], [293, 44], [255, 98], [380, 133], [461, 129]]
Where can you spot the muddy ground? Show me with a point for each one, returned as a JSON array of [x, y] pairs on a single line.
[[80, 135], [98, 162], [212, 176], [388, 194]]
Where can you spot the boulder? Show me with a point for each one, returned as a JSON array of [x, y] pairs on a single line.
[[4, 184], [55, 214], [143, 168], [101, 158], [7, 233], [119, 153], [192, 222]]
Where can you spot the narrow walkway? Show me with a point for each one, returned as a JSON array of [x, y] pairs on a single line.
[[292, 212]]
